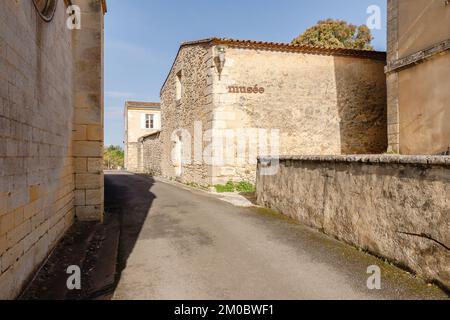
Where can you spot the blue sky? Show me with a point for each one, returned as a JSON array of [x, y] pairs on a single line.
[[142, 38]]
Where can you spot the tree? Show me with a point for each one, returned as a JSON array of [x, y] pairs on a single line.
[[113, 157], [336, 34]]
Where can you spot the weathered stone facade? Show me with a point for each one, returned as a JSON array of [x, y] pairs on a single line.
[[88, 138], [51, 132], [137, 126], [151, 147], [322, 101], [393, 206], [417, 76], [195, 105]]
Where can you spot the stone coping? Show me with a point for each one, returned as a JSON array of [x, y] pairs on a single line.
[[375, 159], [418, 57], [143, 138]]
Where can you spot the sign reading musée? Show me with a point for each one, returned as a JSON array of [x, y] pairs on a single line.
[[244, 89]]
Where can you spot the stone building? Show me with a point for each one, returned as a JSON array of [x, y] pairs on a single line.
[[51, 129], [321, 101], [418, 76], [150, 154], [141, 119]]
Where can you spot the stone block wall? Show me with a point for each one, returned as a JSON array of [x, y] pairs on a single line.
[[135, 112], [88, 114], [151, 147], [417, 77], [195, 105], [133, 156], [321, 104], [393, 206], [42, 135], [36, 182]]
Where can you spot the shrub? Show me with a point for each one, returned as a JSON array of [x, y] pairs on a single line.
[[229, 187], [242, 186], [245, 186]]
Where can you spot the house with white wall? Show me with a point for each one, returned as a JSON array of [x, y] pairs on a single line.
[[141, 119]]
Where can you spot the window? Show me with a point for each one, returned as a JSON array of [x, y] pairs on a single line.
[[179, 87], [149, 121], [46, 8]]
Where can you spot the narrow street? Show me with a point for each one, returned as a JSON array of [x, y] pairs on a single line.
[[177, 243]]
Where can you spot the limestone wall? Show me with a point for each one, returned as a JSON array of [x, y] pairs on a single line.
[[393, 206], [44, 157], [132, 156], [417, 77], [421, 24], [321, 104], [134, 130], [135, 125], [151, 154], [195, 105], [424, 107], [89, 108]]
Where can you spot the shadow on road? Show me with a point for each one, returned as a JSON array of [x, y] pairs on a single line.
[[100, 250], [124, 198]]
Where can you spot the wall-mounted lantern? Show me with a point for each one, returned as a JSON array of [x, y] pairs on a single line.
[[220, 59]]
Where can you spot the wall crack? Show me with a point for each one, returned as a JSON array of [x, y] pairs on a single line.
[[425, 236]]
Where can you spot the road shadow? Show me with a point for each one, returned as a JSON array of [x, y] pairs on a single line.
[[129, 198], [100, 250]]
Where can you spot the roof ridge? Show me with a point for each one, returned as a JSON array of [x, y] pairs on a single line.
[[305, 49], [259, 43], [142, 104]]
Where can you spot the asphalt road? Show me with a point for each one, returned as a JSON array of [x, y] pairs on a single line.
[[177, 243]]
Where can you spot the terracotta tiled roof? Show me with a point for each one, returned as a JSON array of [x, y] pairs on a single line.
[[264, 45], [140, 104], [287, 47]]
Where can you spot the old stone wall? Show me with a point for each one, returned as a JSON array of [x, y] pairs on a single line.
[[424, 107], [89, 107], [195, 105], [418, 57], [134, 130], [40, 147], [393, 206], [421, 24], [37, 182], [133, 156], [321, 104], [151, 154]]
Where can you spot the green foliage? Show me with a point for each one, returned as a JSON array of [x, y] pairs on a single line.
[[245, 186], [113, 157], [242, 186], [336, 34], [229, 187]]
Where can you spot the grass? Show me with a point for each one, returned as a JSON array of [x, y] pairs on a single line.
[[231, 186]]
